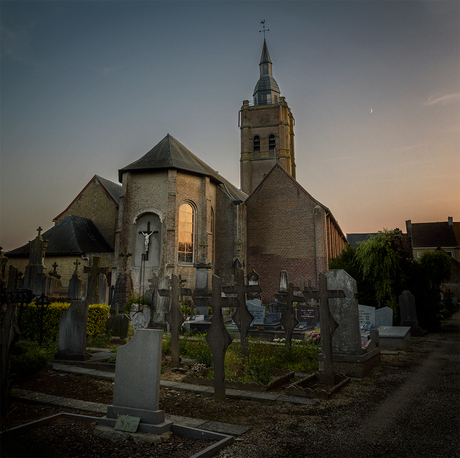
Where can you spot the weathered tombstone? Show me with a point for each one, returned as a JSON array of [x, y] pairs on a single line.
[[54, 286], [140, 316], [103, 289], [159, 304], [137, 383], [123, 285], [92, 287], [257, 310], [307, 314], [118, 326], [72, 332], [174, 317], [218, 339], [13, 278], [253, 280], [408, 313], [383, 317], [35, 276], [73, 292], [366, 317], [277, 307]]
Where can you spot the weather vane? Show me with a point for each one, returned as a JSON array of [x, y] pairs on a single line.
[[268, 30]]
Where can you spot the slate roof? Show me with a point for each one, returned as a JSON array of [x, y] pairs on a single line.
[[433, 235], [171, 154], [72, 237]]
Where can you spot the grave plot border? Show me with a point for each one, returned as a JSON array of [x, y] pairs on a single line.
[[301, 389], [185, 431], [200, 378]]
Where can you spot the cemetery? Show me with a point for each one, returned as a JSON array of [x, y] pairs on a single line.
[[304, 347]]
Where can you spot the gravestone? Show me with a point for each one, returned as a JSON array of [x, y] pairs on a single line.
[[383, 317], [366, 317], [394, 337], [118, 326], [408, 313], [74, 290], [140, 315], [13, 278], [123, 285], [72, 332], [103, 289], [159, 304], [286, 293], [92, 287], [307, 314], [137, 383], [35, 276], [257, 310]]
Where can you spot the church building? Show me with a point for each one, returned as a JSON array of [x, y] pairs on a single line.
[[173, 212]]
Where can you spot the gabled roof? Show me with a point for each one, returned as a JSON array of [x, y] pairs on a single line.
[[72, 237], [297, 184], [171, 154], [433, 235], [113, 190], [354, 239]]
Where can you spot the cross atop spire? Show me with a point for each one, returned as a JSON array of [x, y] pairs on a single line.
[[263, 30]]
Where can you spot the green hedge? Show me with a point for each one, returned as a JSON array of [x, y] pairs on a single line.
[[30, 319]]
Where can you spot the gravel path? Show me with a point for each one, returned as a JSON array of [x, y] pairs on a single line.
[[408, 407]]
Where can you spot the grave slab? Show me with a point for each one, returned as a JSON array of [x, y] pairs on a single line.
[[394, 337]]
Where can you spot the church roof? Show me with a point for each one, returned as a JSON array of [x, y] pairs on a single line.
[[171, 154], [114, 191], [74, 236]]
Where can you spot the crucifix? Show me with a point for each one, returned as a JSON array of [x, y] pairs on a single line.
[[242, 317], [147, 235], [174, 317], [328, 324]]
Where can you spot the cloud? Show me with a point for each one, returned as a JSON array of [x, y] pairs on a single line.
[[444, 100]]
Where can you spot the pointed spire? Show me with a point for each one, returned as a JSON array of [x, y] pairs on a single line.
[[266, 91]]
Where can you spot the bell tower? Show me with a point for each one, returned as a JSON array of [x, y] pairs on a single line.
[[267, 129]]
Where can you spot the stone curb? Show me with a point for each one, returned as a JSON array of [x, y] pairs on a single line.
[[231, 393]]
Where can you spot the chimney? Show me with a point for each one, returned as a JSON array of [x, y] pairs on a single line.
[[450, 220]]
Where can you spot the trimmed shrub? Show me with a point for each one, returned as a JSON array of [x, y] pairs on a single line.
[[98, 314]]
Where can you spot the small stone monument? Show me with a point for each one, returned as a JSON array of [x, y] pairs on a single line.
[[408, 313], [35, 276], [118, 326], [137, 383], [383, 317], [123, 286], [286, 294], [92, 287], [73, 292], [72, 332]]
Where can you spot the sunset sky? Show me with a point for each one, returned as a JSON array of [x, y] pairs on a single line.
[[87, 87]]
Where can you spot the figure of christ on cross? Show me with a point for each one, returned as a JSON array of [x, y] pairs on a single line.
[[146, 236]]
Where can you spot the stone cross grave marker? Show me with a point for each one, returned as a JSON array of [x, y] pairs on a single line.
[[123, 285], [328, 324], [218, 337], [286, 294], [159, 305], [242, 317], [35, 276], [93, 287], [174, 317]]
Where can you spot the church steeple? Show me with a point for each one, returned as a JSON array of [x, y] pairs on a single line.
[[266, 91]]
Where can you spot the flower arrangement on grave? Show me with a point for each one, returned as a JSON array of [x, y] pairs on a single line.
[[314, 336]]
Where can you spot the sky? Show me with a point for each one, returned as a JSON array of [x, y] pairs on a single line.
[[87, 87]]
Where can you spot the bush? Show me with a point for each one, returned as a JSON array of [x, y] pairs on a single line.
[[29, 319], [26, 359], [198, 349], [134, 299]]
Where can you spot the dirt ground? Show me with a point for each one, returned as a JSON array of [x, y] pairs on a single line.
[[408, 407]]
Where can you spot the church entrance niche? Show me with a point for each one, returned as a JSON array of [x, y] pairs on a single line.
[[147, 240]]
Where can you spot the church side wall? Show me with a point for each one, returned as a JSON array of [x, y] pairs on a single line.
[[94, 203], [281, 233]]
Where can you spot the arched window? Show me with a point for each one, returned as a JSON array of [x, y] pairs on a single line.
[[256, 144], [186, 227], [271, 143]]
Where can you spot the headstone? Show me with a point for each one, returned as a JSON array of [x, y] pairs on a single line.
[[123, 285], [137, 383], [257, 310], [307, 314], [72, 332], [366, 317], [139, 316], [253, 280], [35, 276], [383, 317], [92, 286], [202, 310], [103, 289], [74, 291], [118, 326], [159, 304], [288, 320], [277, 307], [13, 278], [408, 313]]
